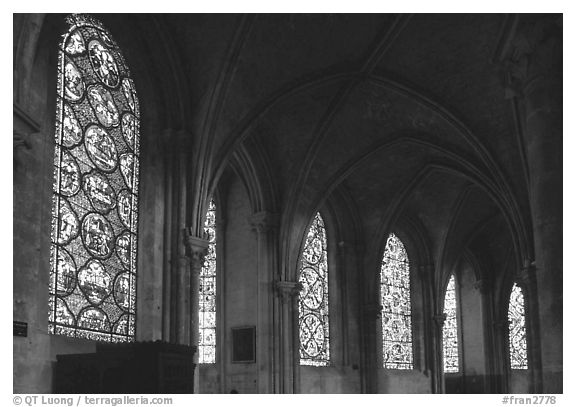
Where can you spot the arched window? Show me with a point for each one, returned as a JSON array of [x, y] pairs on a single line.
[[95, 201], [313, 304], [450, 330], [396, 306], [207, 308], [517, 329]]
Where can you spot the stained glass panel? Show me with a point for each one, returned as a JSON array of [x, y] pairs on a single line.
[[396, 307], [313, 303], [94, 211], [517, 329], [207, 308], [450, 330]]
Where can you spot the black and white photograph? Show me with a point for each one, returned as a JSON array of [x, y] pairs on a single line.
[[288, 203]]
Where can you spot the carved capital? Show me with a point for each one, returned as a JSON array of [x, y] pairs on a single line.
[[439, 320], [533, 53], [482, 285], [197, 249], [263, 222], [287, 290], [527, 274], [372, 311]]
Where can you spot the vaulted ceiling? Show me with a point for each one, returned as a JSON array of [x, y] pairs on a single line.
[[406, 113]]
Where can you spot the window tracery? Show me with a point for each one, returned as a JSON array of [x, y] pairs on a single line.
[[207, 308], [396, 306], [313, 302], [517, 329], [450, 330], [92, 285]]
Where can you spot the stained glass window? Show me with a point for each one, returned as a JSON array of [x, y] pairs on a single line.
[[94, 208], [450, 329], [396, 308], [517, 329], [207, 308], [313, 304]]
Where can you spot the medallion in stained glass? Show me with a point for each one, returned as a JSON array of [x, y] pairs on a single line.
[[94, 217], [313, 303]]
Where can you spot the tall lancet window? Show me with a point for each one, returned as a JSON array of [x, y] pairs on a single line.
[[450, 330], [396, 307], [517, 329], [207, 308], [95, 192], [313, 304]]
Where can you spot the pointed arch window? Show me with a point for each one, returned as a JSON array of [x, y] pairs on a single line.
[[313, 302], [207, 308], [517, 329], [92, 285], [450, 330], [396, 306]]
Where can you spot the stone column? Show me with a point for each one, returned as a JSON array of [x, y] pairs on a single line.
[[288, 293], [428, 355], [197, 249], [372, 313], [535, 76], [438, 324], [500, 331], [265, 225], [492, 358], [526, 280]]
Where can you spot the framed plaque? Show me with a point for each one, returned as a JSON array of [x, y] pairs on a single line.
[[244, 344]]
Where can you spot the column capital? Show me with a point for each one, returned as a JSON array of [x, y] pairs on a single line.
[[532, 53], [287, 289], [372, 310], [263, 221], [197, 248], [483, 285], [527, 274], [439, 320]]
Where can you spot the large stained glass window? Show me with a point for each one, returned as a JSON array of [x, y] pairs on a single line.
[[396, 307], [517, 329], [313, 304], [450, 329], [207, 308], [94, 211]]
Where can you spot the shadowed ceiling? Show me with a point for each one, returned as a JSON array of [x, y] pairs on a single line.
[[406, 113]]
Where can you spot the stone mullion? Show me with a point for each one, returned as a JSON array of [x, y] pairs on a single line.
[[265, 225]]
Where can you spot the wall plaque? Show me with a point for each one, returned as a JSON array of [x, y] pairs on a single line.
[[244, 344]]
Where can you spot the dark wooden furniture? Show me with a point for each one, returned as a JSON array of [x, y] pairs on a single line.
[[140, 367]]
